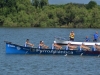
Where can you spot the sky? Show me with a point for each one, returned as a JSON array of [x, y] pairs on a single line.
[[73, 1]]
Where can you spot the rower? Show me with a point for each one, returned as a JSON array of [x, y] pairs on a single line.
[[28, 44], [97, 47], [84, 47], [71, 47], [56, 46], [42, 45]]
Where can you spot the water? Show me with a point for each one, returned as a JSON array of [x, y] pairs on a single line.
[[45, 64]]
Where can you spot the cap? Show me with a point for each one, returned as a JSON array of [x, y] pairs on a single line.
[[54, 41]]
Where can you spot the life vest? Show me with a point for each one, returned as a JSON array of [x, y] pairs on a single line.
[[93, 48], [72, 35], [26, 45], [40, 47], [67, 48]]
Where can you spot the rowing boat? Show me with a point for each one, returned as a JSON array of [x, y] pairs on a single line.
[[64, 42], [12, 48]]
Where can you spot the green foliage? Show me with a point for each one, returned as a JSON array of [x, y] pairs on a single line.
[[91, 4], [35, 3], [38, 13], [43, 3], [39, 3], [2, 18]]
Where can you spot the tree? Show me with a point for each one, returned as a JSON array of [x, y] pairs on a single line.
[[95, 18], [36, 3], [91, 4], [43, 3], [21, 13], [2, 18]]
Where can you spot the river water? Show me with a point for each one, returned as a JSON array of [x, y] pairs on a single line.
[[45, 64]]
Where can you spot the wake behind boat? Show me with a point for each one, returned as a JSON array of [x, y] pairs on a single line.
[[62, 41], [12, 48]]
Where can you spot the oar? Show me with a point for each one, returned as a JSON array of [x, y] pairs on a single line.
[[60, 38], [7, 42], [65, 55], [99, 55]]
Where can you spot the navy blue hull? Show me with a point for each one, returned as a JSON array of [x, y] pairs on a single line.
[[17, 49]]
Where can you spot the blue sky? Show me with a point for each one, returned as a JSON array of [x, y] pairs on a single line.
[[73, 1]]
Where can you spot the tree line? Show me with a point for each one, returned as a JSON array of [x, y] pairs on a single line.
[[39, 13]]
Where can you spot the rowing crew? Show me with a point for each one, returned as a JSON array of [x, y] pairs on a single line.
[[41, 44], [69, 46], [95, 37], [74, 47]]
